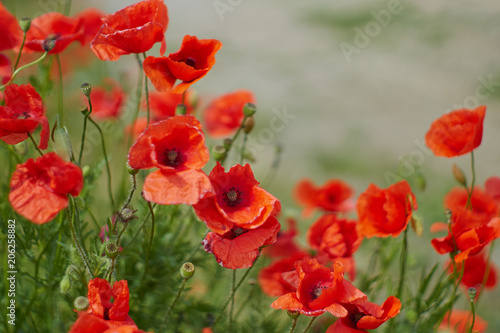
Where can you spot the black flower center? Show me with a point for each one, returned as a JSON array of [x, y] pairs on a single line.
[[172, 157], [232, 197], [106, 313], [316, 292], [24, 115], [190, 62]]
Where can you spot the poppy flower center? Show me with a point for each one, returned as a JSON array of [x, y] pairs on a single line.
[[316, 292], [24, 115], [232, 197], [106, 314], [172, 157], [190, 62]]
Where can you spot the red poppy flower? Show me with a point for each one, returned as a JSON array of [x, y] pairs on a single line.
[[102, 313], [164, 104], [366, 316], [236, 200], [333, 196], [385, 212], [467, 241], [335, 238], [193, 61], [124, 329], [456, 133], [238, 248], [12, 34], [177, 147], [460, 321], [92, 23], [319, 290], [22, 113], [482, 208], [271, 280], [39, 188], [475, 270], [285, 243], [106, 101], [61, 29], [224, 114], [492, 188], [134, 29], [5, 69]]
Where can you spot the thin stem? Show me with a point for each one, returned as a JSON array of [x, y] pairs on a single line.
[[232, 302], [2, 87], [294, 324], [245, 137], [310, 324], [473, 181], [34, 142], [486, 272], [60, 109], [150, 237], [147, 91], [403, 259], [138, 95], [165, 320], [234, 139], [473, 316], [84, 130], [20, 50], [110, 191], [80, 248]]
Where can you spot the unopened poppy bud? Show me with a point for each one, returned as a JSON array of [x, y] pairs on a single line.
[[86, 89], [132, 171], [85, 170], [416, 224], [84, 110], [127, 214], [81, 303], [472, 293], [458, 174], [73, 272], [219, 152], [247, 154], [448, 215], [111, 250], [65, 285], [62, 143], [25, 24], [293, 314], [187, 270], [248, 125], [181, 109], [227, 143], [249, 109], [252, 282], [48, 44]]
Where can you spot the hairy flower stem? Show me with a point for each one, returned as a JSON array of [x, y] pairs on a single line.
[[232, 302], [473, 316], [233, 139], [468, 205], [245, 138], [34, 142], [167, 316], [403, 259], [310, 324], [234, 291], [147, 92], [20, 50], [294, 324], [79, 246], [110, 191], [151, 236], [2, 87], [84, 130]]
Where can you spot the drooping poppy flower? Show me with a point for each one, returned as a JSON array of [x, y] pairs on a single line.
[[39, 188], [456, 133], [12, 34], [236, 200], [285, 243], [482, 208], [365, 316], [224, 114], [460, 321], [177, 147], [319, 290], [92, 23], [492, 188], [106, 101], [238, 248], [164, 104], [385, 212], [335, 238], [271, 280], [22, 113], [193, 61], [62, 30], [134, 29], [475, 270], [103, 314], [5, 69], [333, 196]]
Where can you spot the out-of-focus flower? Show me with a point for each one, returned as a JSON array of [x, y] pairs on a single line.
[[134, 29], [193, 61], [164, 104], [456, 133], [333, 196], [22, 113], [475, 270], [460, 321], [385, 212], [5, 69], [224, 114], [106, 101], [92, 23], [39, 188], [285, 245], [492, 188], [12, 34]]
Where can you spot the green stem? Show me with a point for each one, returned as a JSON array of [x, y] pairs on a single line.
[[294, 324], [245, 137], [80, 248], [146, 90], [233, 139], [473, 316], [60, 96], [20, 50], [138, 95], [2, 87], [486, 272], [231, 309], [34, 142], [132, 190], [150, 238], [84, 130], [473, 181], [177, 297], [403, 259], [310, 324], [108, 169]]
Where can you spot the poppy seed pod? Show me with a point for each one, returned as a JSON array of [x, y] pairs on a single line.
[[25, 24], [293, 314], [249, 109], [81, 303], [112, 250], [86, 89], [219, 152], [187, 270]]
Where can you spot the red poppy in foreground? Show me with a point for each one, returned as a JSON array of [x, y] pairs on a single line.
[[236, 200], [319, 290], [177, 147], [193, 61], [22, 113], [456, 133], [61, 29], [12, 34], [134, 29], [365, 316], [238, 248], [460, 321], [385, 212], [333, 196], [103, 314], [224, 114], [39, 188], [106, 101]]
